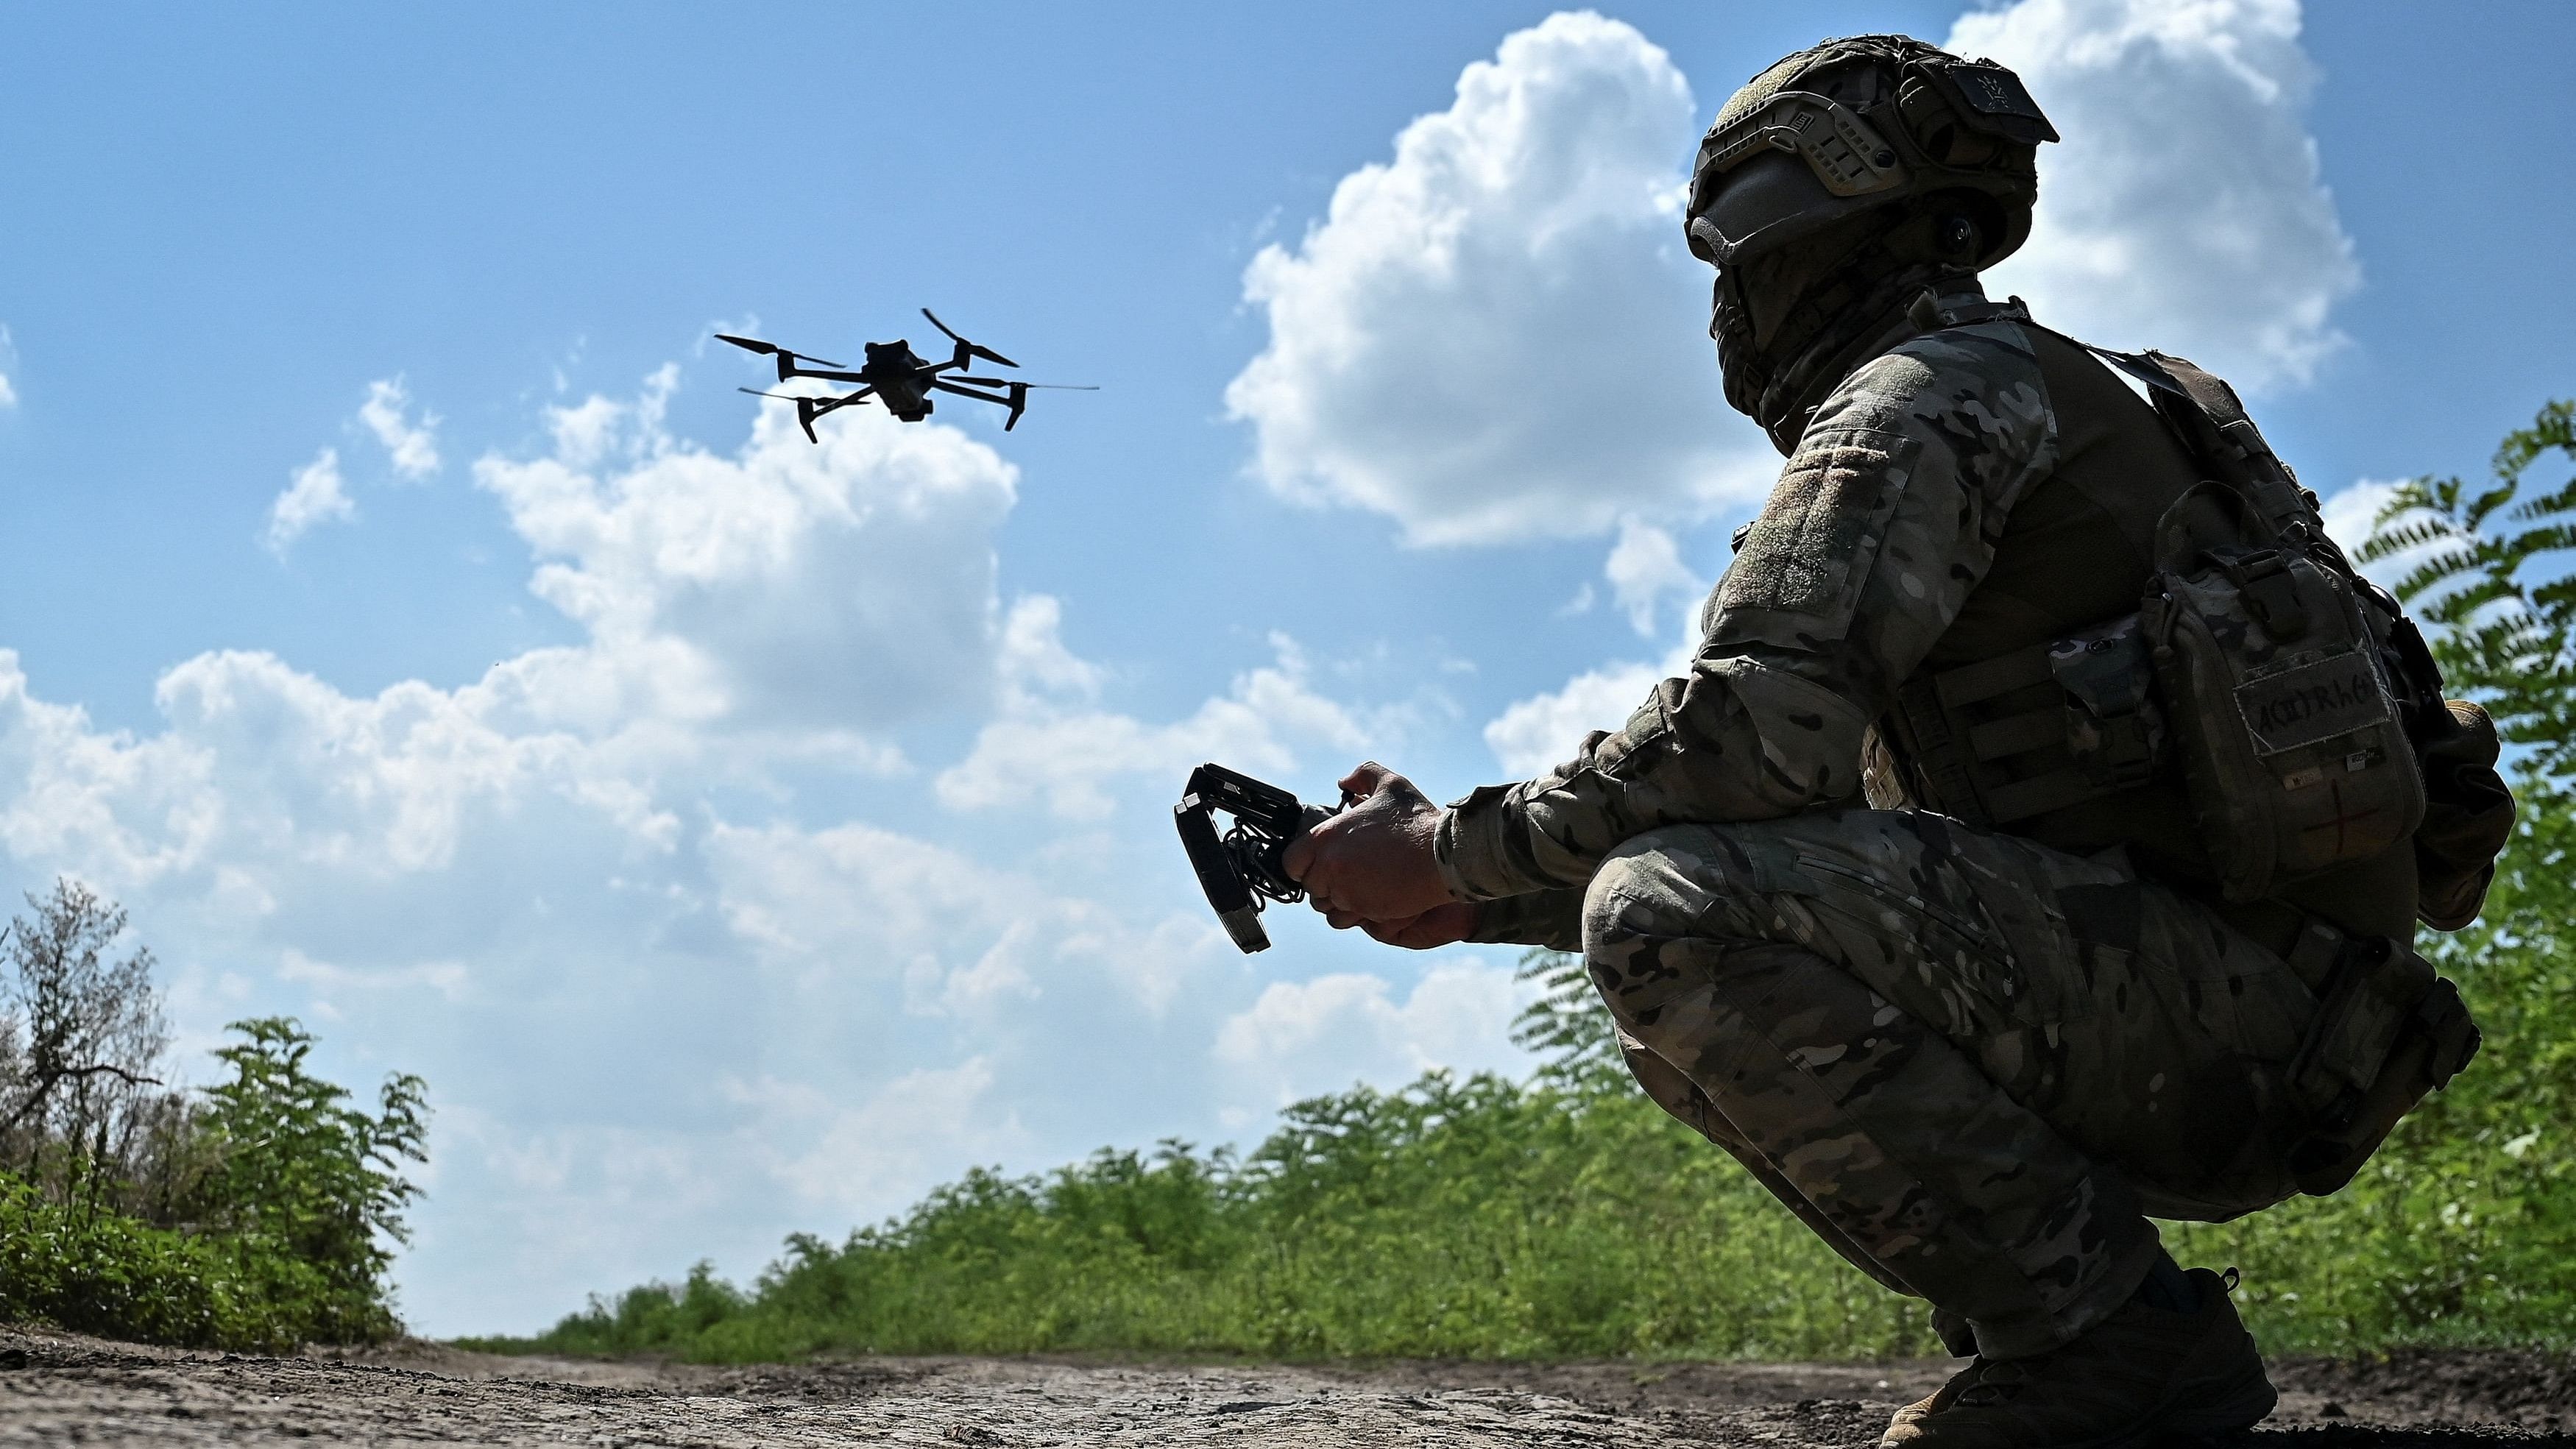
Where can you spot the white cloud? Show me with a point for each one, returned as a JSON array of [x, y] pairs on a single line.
[[1498, 335], [1066, 753], [1303, 1038], [856, 1162], [843, 912], [2185, 208], [314, 496], [2349, 512], [538, 887], [447, 978], [1644, 568], [848, 585], [8, 362], [1535, 733], [412, 447]]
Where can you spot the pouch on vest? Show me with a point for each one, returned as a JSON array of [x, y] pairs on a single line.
[[2284, 718], [2387, 1031]]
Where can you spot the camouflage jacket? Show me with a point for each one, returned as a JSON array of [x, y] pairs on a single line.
[[1883, 521]]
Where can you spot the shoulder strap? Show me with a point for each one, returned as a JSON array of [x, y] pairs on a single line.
[[2211, 420]]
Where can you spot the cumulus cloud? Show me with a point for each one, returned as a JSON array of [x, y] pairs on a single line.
[[8, 361], [1497, 334], [849, 584], [1532, 734], [1645, 568], [1646, 574], [1303, 1038], [1052, 744], [2186, 208], [850, 1160], [580, 893], [854, 907], [411, 446], [315, 495], [2349, 513]]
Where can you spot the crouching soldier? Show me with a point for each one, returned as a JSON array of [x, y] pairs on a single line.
[[2037, 841]]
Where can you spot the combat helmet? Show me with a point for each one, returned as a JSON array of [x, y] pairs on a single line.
[[1862, 123], [1837, 186]]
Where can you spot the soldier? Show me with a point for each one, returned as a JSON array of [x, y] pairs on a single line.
[[1896, 895]]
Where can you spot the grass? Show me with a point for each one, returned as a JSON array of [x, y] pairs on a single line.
[[1567, 1217]]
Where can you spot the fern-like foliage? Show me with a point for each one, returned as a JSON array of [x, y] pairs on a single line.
[[2492, 578]]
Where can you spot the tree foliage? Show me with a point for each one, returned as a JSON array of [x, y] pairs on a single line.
[[2487, 571], [258, 1213]]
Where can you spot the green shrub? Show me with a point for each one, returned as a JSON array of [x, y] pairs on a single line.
[[304, 1179], [253, 1216]]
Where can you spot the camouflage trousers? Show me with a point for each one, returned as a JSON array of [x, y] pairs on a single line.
[[1970, 1063]]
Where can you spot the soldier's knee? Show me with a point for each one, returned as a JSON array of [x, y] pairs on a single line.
[[1629, 893]]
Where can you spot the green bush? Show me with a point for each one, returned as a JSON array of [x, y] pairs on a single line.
[[1489, 1219], [305, 1180], [254, 1215], [1479, 1218]]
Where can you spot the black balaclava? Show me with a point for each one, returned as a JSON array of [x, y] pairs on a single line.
[[1791, 324]]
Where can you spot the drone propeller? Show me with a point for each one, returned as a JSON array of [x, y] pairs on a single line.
[[966, 349], [754, 344], [1015, 382], [786, 359]]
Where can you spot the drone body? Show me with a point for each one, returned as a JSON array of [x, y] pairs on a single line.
[[897, 377]]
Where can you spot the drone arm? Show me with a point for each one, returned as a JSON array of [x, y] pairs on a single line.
[[788, 370], [826, 404]]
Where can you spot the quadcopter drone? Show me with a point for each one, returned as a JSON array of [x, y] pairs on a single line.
[[898, 377]]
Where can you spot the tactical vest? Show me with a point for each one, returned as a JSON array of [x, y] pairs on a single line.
[[1981, 729], [2261, 728]]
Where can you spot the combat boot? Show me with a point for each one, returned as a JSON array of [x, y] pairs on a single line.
[[2143, 1372]]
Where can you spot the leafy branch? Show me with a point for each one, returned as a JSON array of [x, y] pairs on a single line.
[[2488, 572]]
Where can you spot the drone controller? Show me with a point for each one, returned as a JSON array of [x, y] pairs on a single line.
[[1246, 865]]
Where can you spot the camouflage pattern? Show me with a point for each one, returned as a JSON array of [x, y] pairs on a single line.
[[1883, 521], [1970, 1061]]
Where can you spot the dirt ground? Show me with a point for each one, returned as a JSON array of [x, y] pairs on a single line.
[[59, 1389]]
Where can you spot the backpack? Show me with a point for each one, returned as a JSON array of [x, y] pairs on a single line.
[[2301, 707]]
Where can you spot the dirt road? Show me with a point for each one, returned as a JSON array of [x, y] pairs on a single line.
[[58, 1389]]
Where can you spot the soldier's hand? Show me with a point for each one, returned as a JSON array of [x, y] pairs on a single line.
[[1374, 861], [1439, 926]]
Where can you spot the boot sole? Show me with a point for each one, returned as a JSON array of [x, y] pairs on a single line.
[[2244, 1404], [2247, 1403]]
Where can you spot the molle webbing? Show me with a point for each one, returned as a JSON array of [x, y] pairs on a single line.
[[1983, 729], [2088, 729]]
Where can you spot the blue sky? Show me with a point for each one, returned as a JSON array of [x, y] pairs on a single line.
[[742, 836]]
